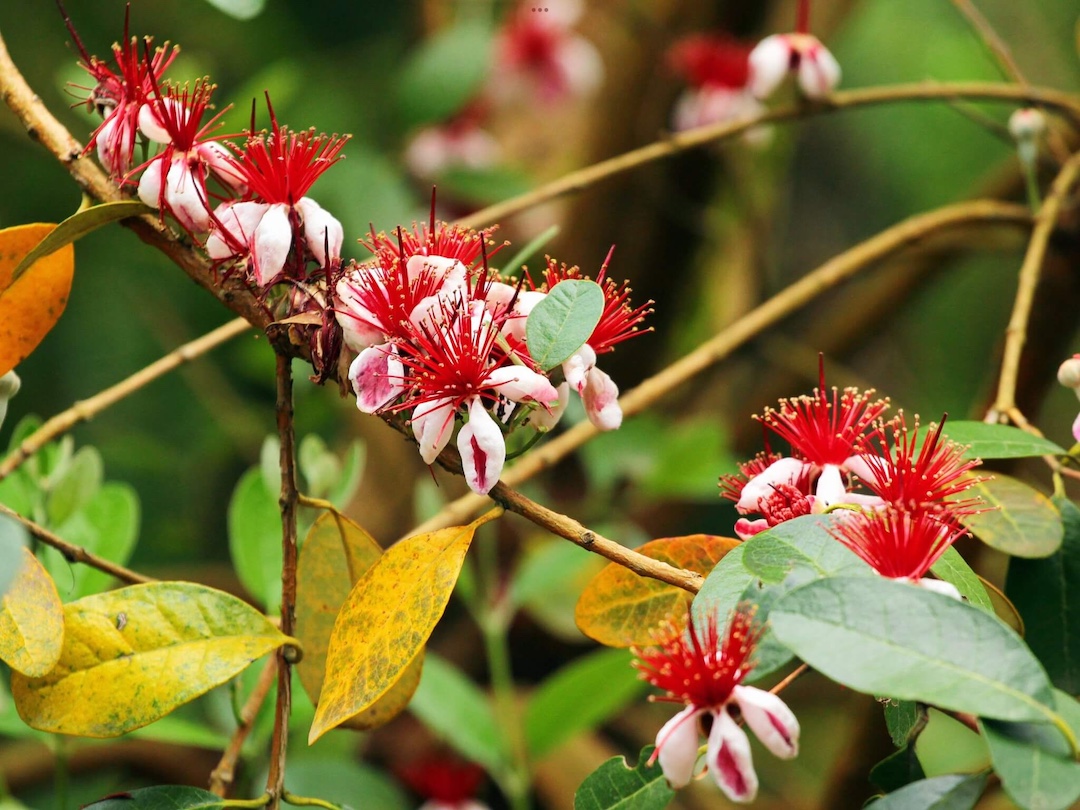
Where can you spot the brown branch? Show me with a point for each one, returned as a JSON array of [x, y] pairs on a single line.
[[1016, 332], [589, 540], [784, 303], [997, 47], [44, 128], [76, 554], [275, 780], [221, 778], [797, 673], [87, 409], [692, 139]]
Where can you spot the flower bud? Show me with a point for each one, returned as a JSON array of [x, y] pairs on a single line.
[[1027, 124], [1069, 372], [9, 385]]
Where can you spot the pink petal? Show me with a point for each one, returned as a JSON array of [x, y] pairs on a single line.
[[770, 719], [522, 384], [545, 419], [377, 376], [761, 486], [273, 238], [186, 197], [729, 759], [150, 124], [577, 366], [819, 72], [677, 747], [745, 529], [150, 183], [1076, 425], [320, 228], [769, 63], [433, 424], [601, 398], [482, 448]]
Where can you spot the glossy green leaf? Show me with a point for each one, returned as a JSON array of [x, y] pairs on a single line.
[[79, 225], [1034, 764], [904, 719], [579, 697], [952, 792], [1025, 522], [953, 568], [454, 708], [898, 769], [255, 539], [166, 797], [1047, 594], [617, 786], [444, 73], [802, 542], [724, 587], [76, 486], [240, 9], [560, 324], [998, 441], [891, 638]]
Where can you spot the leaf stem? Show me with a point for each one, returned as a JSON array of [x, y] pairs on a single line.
[[307, 801], [221, 778], [275, 780], [262, 801]]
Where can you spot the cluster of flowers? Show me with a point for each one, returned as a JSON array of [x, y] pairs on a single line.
[[727, 79], [539, 58], [908, 513], [442, 336], [245, 204], [705, 671]]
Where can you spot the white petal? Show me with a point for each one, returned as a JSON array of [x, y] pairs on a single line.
[[1076, 422], [522, 384], [729, 759], [782, 471], [150, 124], [860, 467], [150, 183], [939, 586], [221, 162], [482, 448], [830, 487], [545, 419], [577, 366], [770, 719], [377, 376], [819, 72], [769, 63], [601, 398], [433, 424], [273, 238], [581, 66], [526, 301], [677, 746], [448, 269], [320, 228], [186, 197]]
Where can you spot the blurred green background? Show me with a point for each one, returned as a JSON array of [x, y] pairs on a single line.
[[707, 235]]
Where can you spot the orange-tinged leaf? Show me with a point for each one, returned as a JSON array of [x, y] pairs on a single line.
[[335, 554], [32, 304], [619, 608], [31, 620], [387, 619], [132, 655]]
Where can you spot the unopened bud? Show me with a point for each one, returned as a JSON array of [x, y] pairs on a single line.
[[1027, 124], [9, 385], [1069, 372]]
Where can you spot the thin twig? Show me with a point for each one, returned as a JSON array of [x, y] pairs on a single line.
[[797, 673], [87, 409], [76, 554], [784, 303], [1016, 333], [275, 780], [692, 139], [221, 778], [589, 540], [997, 47]]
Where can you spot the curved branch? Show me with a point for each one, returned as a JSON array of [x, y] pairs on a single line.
[[838, 269]]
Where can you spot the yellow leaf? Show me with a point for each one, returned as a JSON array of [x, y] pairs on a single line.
[[619, 608], [132, 655], [31, 304], [334, 556], [387, 619], [31, 620]]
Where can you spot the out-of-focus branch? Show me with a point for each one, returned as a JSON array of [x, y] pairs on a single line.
[[997, 47], [221, 778], [86, 409], [784, 303]]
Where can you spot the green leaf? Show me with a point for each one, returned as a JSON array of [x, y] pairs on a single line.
[[803, 542], [952, 568], [255, 539], [685, 461], [1025, 524], [12, 540], [445, 72], [898, 769], [952, 792], [904, 719], [549, 581], [617, 786], [451, 705], [1033, 763], [724, 587], [76, 486], [892, 638], [513, 265], [79, 225], [132, 655], [342, 781], [998, 441], [240, 9], [167, 797], [318, 465], [352, 469], [1047, 594], [560, 324], [483, 186], [579, 697]]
